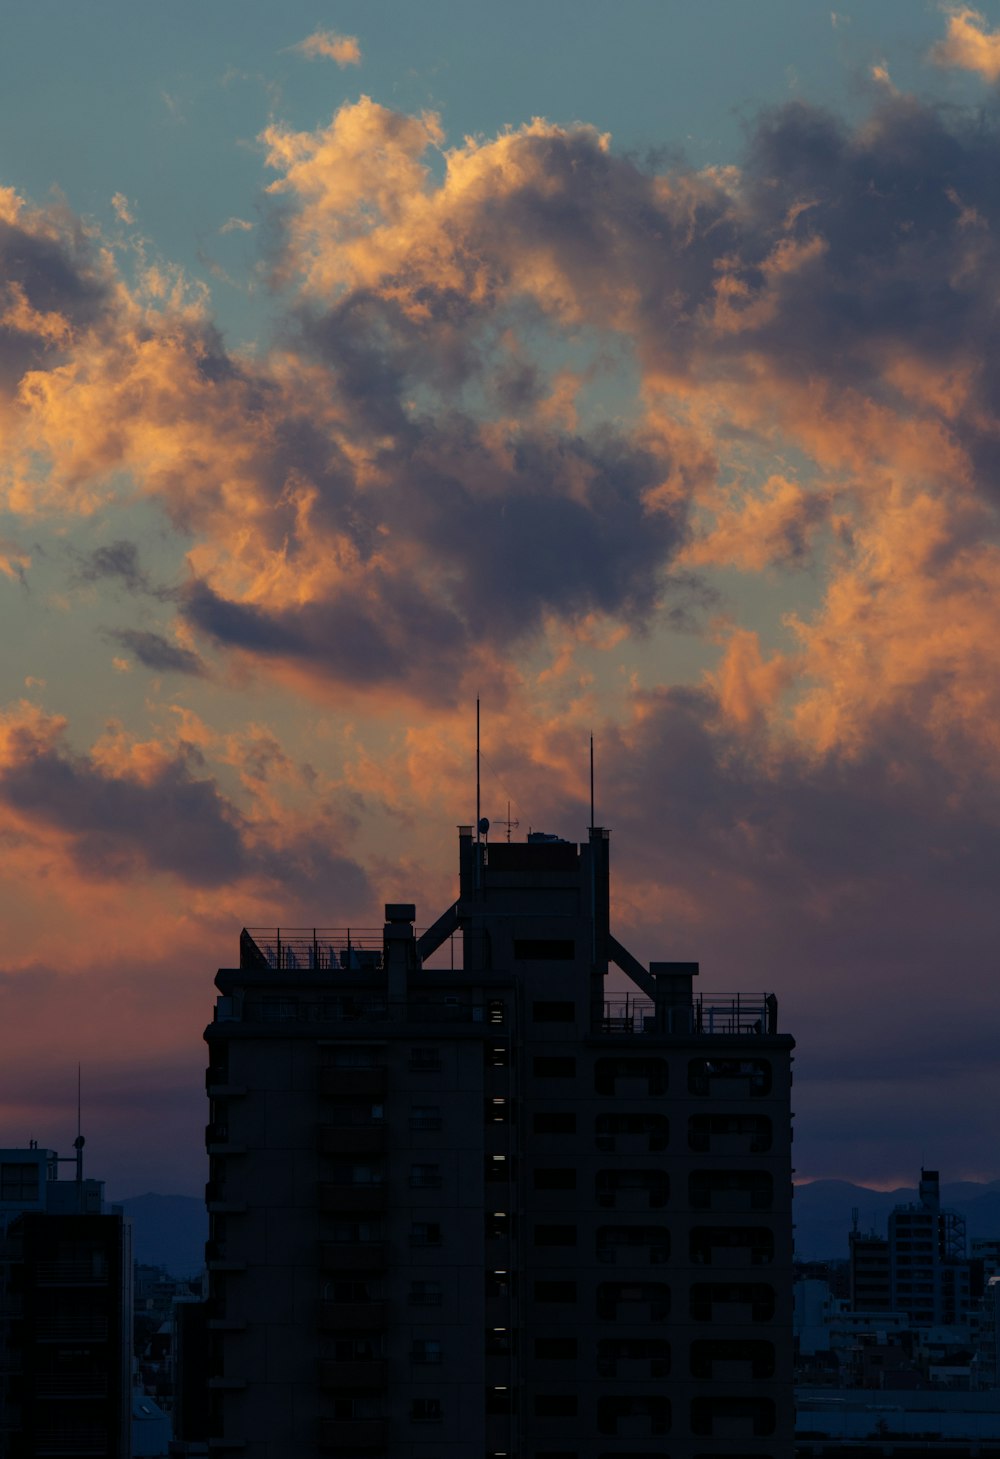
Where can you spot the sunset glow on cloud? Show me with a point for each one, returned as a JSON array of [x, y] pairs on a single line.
[[698, 456]]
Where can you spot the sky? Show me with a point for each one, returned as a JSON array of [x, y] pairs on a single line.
[[630, 368]]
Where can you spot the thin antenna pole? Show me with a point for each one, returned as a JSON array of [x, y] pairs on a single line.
[[592, 782], [79, 1142], [478, 806]]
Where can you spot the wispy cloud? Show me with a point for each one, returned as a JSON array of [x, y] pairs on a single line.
[[328, 45]]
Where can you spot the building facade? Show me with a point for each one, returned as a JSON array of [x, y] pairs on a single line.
[[464, 1201], [65, 1313]]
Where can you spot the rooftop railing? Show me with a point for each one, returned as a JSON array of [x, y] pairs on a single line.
[[707, 1013], [332, 949]]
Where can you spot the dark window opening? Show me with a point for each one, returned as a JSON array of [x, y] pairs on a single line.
[[544, 949], [554, 1122], [555, 1066]]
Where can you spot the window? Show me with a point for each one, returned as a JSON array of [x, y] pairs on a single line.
[[615, 1243], [357, 1349], [347, 1409], [497, 1056], [425, 1117], [354, 1056], [635, 1301], [555, 1405], [609, 1185], [757, 1296], [625, 1131], [425, 1294], [735, 1190], [652, 1413], [356, 1172], [652, 1353], [498, 1169], [748, 1076], [356, 1114], [555, 1235], [19, 1182], [755, 1243], [425, 1061], [353, 1290], [747, 1133], [547, 1291], [554, 1066], [425, 1350], [554, 1122], [279, 1010], [652, 1074], [426, 1411], [425, 1233], [544, 949], [425, 1176], [755, 1354], [555, 1180], [498, 1225], [555, 1348], [757, 1414], [346, 1231], [553, 1012], [499, 1283]]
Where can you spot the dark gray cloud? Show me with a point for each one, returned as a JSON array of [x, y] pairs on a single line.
[[116, 561], [158, 653], [177, 821], [48, 264]]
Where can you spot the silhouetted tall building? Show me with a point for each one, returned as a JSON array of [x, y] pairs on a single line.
[[65, 1314], [465, 1203]]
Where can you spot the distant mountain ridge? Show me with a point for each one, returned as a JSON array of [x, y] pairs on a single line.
[[822, 1210], [170, 1231]]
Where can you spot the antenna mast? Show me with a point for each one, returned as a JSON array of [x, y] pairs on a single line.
[[592, 782], [79, 1142], [479, 818]]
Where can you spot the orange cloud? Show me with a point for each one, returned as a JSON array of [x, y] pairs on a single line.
[[327, 45], [968, 44]]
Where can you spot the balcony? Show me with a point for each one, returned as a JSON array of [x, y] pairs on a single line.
[[352, 1316], [345, 1256], [337, 1199], [352, 1139], [352, 1083], [356, 1374], [345, 1435]]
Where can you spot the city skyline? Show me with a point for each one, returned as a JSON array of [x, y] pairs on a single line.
[[631, 375]]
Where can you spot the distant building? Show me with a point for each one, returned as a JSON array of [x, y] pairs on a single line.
[[463, 1203], [65, 1313], [919, 1268]]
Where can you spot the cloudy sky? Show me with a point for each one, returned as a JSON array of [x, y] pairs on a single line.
[[634, 368]]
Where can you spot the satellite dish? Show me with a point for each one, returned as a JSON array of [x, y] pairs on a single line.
[[484, 826]]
